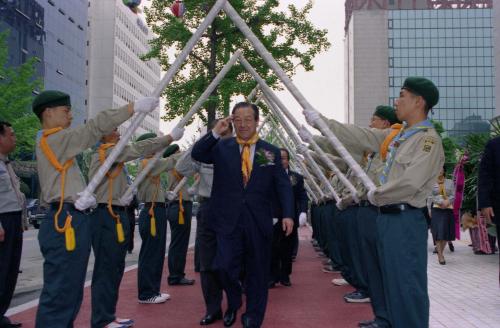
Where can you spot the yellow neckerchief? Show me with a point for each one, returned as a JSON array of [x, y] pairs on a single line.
[[156, 181], [246, 163], [111, 176], [442, 188], [67, 229], [179, 177], [384, 147]]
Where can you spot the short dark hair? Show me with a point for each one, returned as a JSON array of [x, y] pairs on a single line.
[[287, 152], [3, 127], [247, 104]]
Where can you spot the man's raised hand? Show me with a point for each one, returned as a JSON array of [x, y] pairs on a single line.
[[222, 126]]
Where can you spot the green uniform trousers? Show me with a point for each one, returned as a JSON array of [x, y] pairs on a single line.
[[402, 246], [343, 225], [63, 271], [331, 211], [109, 264], [152, 253], [179, 239]]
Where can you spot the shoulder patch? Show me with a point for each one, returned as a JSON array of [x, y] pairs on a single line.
[[429, 142]]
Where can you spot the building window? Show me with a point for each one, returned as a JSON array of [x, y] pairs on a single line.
[[58, 71], [60, 41], [51, 2], [62, 12]]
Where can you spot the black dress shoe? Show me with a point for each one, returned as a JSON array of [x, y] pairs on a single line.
[[451, 246], [181, 282], [246, 322], [11, 324], [286, 282], [230, 317], [211, 318]]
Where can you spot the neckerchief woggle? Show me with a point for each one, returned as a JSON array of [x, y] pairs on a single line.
[[403, 135]]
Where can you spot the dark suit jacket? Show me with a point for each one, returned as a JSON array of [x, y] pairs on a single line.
[[488, 190], [299, 197], [229, 198]]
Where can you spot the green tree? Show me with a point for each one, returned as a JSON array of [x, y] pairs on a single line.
[[16, 94], [449, 146], [290, 37]]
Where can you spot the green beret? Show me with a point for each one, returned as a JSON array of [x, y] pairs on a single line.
[[145, 136], [172, 149], [50, 98], [386, 113], [422, 87]]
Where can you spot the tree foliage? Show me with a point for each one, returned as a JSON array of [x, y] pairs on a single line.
[[290, 37], [16, 94]]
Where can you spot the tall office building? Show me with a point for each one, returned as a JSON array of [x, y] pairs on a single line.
[[117, 75], [65, 51], [24, 21], [454, 43]]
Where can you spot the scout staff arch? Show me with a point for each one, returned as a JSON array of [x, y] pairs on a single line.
[[224, 5]]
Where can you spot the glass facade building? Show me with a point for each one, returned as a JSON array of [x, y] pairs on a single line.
[[24, 21], [65, 51], [453, 48]]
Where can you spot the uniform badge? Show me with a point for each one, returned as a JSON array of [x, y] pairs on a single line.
[[428, 144], [293, 180]]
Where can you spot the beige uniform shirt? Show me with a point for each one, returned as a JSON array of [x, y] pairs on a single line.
[[172, 182], [11, 197], [187, 166], [130, 152], [147, 188], [68, 143], [416, 165]]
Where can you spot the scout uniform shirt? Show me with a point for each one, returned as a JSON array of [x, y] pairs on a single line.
[[149, 187], [416, 164], [174, 179], [11, 198], [68, 143], [130, 152], [187, 166]]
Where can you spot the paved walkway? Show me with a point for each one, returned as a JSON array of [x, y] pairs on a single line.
[[464, 293]]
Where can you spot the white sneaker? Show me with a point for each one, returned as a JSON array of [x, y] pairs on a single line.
[[162, 298], [125, 322], [340, 282]]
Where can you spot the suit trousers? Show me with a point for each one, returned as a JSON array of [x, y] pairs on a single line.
[[207, 241], [179, 239], [323, 230], [247, 246], [63, 271], [368, 237], [314, 221], [152, 253], [402, 246], [10, 257], [282, 251], [108, 266]]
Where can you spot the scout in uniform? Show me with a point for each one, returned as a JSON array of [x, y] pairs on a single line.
[[110, 227], [12, 206], [179, 213], [153, 230], [64, 236], [413, 163]]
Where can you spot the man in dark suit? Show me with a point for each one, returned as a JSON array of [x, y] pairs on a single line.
[[247, 172], [283, 246], [488, 191]]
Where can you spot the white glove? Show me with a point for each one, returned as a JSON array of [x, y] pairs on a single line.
[[127, 199], [177, 133], [371, 197], [146, 104], [311, 116], [302, 149], [85, 201], [192, 190], [275, 220], [171, 195], [304, 134], [302, 219]]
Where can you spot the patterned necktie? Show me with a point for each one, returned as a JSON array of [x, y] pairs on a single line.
[[246, 162]]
